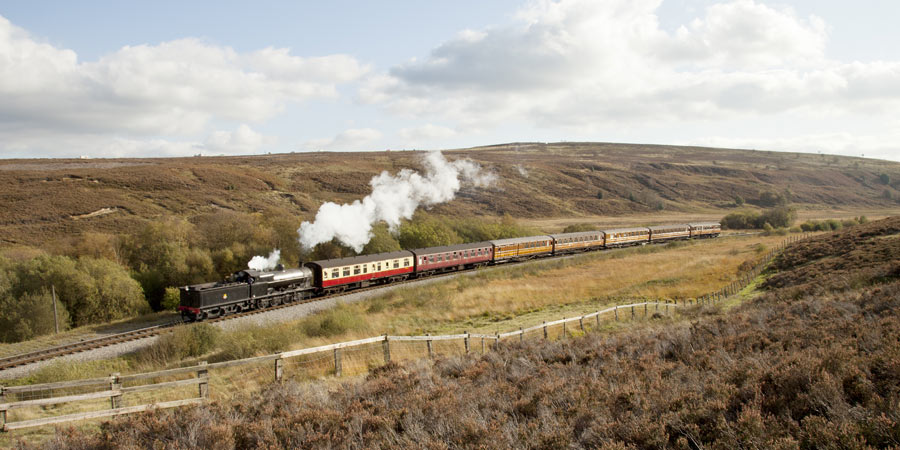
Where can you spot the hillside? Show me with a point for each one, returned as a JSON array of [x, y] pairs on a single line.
[[44, 200], [784, 370]]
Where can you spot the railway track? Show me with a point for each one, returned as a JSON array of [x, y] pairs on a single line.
[[156, 330]]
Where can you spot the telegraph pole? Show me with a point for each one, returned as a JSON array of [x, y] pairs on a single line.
[[55, 316]]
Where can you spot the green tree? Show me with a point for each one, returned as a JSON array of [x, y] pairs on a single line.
[[29, 316], [429, 232], [161, 255], [738, 200], [885, 179], [382, 241], [781, 217]]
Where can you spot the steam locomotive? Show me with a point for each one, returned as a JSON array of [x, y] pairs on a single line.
[[253, 289]]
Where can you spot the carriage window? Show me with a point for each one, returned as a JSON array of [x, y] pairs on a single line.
[[356, 270], [346, 271], [405, 263], [379, 267], [431, 258], [396, 263], [365, 269], [335, 273]]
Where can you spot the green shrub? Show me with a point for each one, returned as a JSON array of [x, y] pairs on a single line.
[[29, 316], [332, 322], [254, 340], [171, 299], [187, 341]]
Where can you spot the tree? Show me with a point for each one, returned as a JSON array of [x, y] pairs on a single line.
[[781, 217], [29, 316], [427, 233], [738, 200], [382, 241], [885, 179], [161, 255]]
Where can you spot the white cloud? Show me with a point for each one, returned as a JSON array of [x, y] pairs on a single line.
[[352, 139], [244, 140], [881, 146], [422, 135], [176, 88], [585, 64]]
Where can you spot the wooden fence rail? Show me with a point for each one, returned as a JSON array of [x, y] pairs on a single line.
[[114, 389]]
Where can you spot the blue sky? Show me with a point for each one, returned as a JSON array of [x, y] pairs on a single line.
[[111, 79]]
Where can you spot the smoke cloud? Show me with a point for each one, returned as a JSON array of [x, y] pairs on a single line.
[[262, 263], [393, 199]]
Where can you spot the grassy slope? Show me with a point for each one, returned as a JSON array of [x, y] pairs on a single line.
[[785, 370], [46, 200]]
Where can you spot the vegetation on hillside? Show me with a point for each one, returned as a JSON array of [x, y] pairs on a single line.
[[106, 277], [786, 370]]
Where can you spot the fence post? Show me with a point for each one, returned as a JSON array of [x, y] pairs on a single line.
[[521, 334], [386, 346], [598, 320], [338, 365], [114, 385], [3, 410], [430, 350], [203, 374], [545, 329], [279, 369], [564, 328], [616, 310], [581, 323], [482, 345], [657, 306], [632, 312], [466, 340], [645, 310]]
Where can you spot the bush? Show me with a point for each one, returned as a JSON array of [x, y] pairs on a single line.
[[740, 220], [780, 217], [30, 316], [171, 299], [188, 341], [331, 323], [253, 340], [577, 227]]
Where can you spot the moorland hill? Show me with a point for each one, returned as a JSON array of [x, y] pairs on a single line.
[[48, 199]]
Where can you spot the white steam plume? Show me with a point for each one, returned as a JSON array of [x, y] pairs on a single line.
[[262, 263], [393, 199]]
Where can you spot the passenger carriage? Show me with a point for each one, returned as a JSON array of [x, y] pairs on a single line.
[[452, 257], [704, 230], [577, 242], [515, 249], [621, 237], [335, 275], [670, 232]]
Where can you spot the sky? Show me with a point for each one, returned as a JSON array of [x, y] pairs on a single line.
[[145, 79]]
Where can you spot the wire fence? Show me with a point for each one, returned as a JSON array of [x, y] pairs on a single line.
[[51, 403]]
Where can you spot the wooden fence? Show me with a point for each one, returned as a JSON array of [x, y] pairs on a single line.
[[116, 386]]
